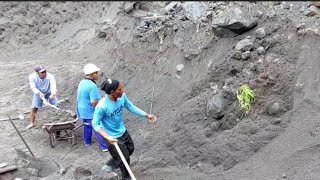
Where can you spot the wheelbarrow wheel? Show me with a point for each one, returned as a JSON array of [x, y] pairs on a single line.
[[52, 139]]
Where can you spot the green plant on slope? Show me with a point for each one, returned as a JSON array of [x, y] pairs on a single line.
[[245, 97]]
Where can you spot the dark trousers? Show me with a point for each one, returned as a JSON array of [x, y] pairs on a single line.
[[126, 146]]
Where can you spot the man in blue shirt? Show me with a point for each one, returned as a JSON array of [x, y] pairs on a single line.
[[107, 120], [88, 97]]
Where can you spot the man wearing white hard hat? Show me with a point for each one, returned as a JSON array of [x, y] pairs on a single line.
[[88, 97]]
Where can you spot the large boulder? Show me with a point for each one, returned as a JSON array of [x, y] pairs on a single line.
[[190, 42], [194, 10], [233, 21], [215, 106]]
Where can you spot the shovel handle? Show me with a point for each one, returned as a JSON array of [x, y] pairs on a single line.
[[48, 104], [124, 161]]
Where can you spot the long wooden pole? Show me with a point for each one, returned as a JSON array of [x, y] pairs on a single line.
[[20, 135], [124, 161], [6, 169]]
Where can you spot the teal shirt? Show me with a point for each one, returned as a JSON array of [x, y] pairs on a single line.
[[87, 91], [108, 115]]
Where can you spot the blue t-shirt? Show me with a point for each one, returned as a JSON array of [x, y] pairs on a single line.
[[108, 115], [87, 91]]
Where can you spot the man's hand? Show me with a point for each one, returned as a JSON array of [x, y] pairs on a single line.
[[41, 95], [52, 96], [151, 118], [111, 140]]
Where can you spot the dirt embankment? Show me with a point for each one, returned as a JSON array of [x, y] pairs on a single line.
[[193, 56]]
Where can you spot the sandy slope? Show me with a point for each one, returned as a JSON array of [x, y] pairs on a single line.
[[181, 145], [294, 154]]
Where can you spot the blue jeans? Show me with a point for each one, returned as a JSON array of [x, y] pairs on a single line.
[[87, 134], [37, 101]]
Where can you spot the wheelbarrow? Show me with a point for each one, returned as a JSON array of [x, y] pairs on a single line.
[[68, 127]]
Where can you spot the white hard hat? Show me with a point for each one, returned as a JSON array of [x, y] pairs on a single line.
[[90, 68]]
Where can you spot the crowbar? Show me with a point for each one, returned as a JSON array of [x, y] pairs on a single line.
[[21, 117], [124, 161]]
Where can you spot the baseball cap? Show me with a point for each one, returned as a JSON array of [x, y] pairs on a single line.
[[39, 69]]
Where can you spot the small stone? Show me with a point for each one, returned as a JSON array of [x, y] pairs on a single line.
[[179, 67], [302, 9], [102, 35], [246, 55], [244, 45], [175, 27], [285, 5], [204, 19], [128, 7], [301, 26], [260, 33], [237, 55], [215, 126], [63, 171], [311, 11], [34, 172], [277, 27], [261, 51], [173, 6], [273, 108]]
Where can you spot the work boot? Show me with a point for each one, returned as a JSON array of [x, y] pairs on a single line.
[[110, 166], [124, 173]]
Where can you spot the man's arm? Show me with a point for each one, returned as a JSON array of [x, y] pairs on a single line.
[[132, 108], [94, 96], [53, 85], [94, 102], [33, 84], [110, 139]]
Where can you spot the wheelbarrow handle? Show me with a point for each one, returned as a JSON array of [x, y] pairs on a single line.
[[80, 126]]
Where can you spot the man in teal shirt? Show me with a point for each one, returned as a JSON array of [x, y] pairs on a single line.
[[88, 97], [107, 120]]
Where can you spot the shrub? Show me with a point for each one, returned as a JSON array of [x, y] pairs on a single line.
[[245, 97]]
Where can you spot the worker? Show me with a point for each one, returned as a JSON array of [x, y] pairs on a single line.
[[108, 121], [43, 86], [88, 96]]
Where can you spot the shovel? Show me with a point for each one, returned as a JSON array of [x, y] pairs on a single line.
[[55, 107], [124, 161], [63, 100]]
